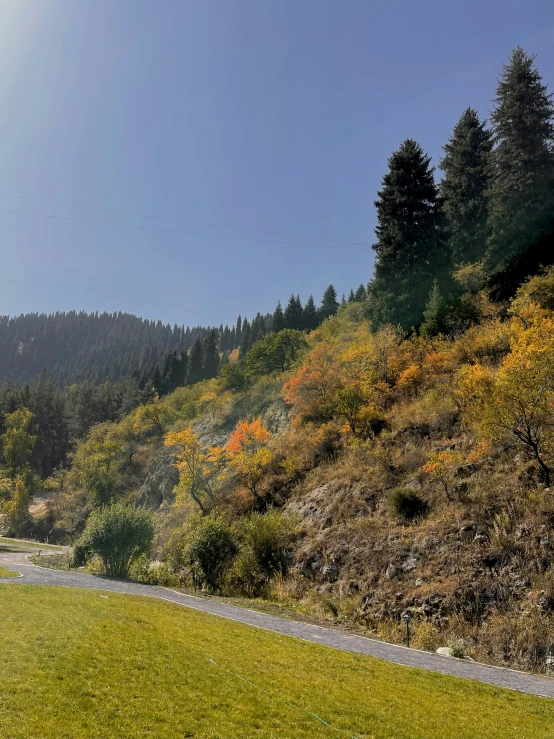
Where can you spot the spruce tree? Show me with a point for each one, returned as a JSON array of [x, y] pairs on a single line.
[[166, 373], [224, 340], [329, 304], [310, 318], [257, 330], [360, 294], [408, 253], [521, 206], [278, 319], [293, 313], [232, 343], [245, 341], [210, 356], [434, 313], [464, 188], [179, 374], [351, 296], [194, 370]]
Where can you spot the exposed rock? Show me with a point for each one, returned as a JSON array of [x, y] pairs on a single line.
[[276, 417], [210, 433], [410, 563], [480, 538], [419, 582], [330, 572], [319, 508], [162, 478]]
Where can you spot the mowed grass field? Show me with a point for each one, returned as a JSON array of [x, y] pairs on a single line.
[[80, 664]]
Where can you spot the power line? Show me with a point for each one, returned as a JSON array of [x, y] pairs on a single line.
[[186, 233], [189, 223]]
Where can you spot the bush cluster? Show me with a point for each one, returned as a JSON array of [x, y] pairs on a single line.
[[209, 552], [406, 503]]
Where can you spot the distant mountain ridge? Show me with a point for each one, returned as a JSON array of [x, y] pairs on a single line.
[[75, 346]]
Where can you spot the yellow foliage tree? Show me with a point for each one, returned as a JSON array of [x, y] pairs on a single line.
[[155, 417], [517, 402], [441, 466], [17, 442], [200, 469], [17, 509], [248, 452], [96, 462]]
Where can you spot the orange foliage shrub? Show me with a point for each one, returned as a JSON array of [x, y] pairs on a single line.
[[312, 388]]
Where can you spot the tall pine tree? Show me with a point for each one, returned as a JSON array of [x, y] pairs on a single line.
[[246, 340], [464, 188], [407, 248], [521, 207], [310, 319], [194, 369], [329, 303], [210, 356], [278, 319], [293, 313]]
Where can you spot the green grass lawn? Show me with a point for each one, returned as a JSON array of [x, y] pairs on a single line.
[[19, 545], [8, 573], [91, 664]]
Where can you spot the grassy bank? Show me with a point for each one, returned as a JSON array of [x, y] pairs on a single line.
[[8, 573], [10, 544], [91, 664]]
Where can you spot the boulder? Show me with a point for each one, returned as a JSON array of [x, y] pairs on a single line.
[[162, 478]]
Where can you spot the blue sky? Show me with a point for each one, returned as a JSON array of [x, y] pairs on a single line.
[[269, 116]]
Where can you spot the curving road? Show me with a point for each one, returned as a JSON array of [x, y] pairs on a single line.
[[499, 676]]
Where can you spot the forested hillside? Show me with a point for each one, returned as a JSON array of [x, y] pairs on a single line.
[[72, 347], [390, 451]]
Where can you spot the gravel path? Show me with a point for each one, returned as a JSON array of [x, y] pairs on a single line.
[[500, 676]]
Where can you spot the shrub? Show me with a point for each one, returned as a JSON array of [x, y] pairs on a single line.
[[119, 534], [233, 376], [154, 573], [406, 503], [267, 536], [457, 649], [205, 544], [81, 553]]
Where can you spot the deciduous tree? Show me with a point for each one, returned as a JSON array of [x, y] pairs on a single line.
[[200, 469], [248, 452]]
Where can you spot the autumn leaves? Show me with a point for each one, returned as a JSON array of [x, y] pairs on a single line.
[[202, 470]]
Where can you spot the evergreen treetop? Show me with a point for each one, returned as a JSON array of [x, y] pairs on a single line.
[[329, 303], [521, 207], [464, 188]]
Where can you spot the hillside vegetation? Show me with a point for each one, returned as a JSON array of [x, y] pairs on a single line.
[[409, 472], [397, 454]]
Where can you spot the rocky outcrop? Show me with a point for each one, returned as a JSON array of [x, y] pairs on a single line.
[[162, 478], [276, 417]]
